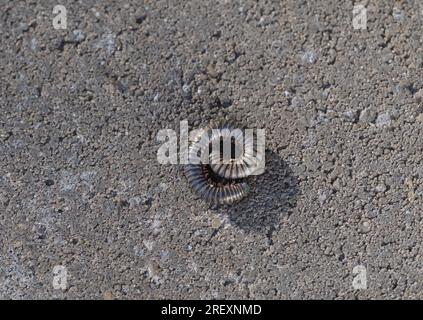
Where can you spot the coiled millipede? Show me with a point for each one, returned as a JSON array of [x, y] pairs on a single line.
[[218, 177]]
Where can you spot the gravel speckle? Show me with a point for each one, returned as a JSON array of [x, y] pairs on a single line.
[[383, 119], [78, 35], [309, 56], [365, 226]]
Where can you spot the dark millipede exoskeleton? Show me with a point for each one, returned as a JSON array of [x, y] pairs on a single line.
[[218, 176]]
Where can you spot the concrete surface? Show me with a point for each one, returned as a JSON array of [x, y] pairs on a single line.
[[81, 190]]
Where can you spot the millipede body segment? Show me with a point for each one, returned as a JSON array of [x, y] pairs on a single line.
[[218, 176]]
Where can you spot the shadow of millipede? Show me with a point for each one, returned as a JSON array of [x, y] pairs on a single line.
[[273, 194]]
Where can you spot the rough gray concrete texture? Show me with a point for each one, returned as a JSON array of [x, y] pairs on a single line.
[[80, 185]]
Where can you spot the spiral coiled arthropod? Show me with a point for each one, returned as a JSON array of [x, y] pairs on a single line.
[[218, 176]]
